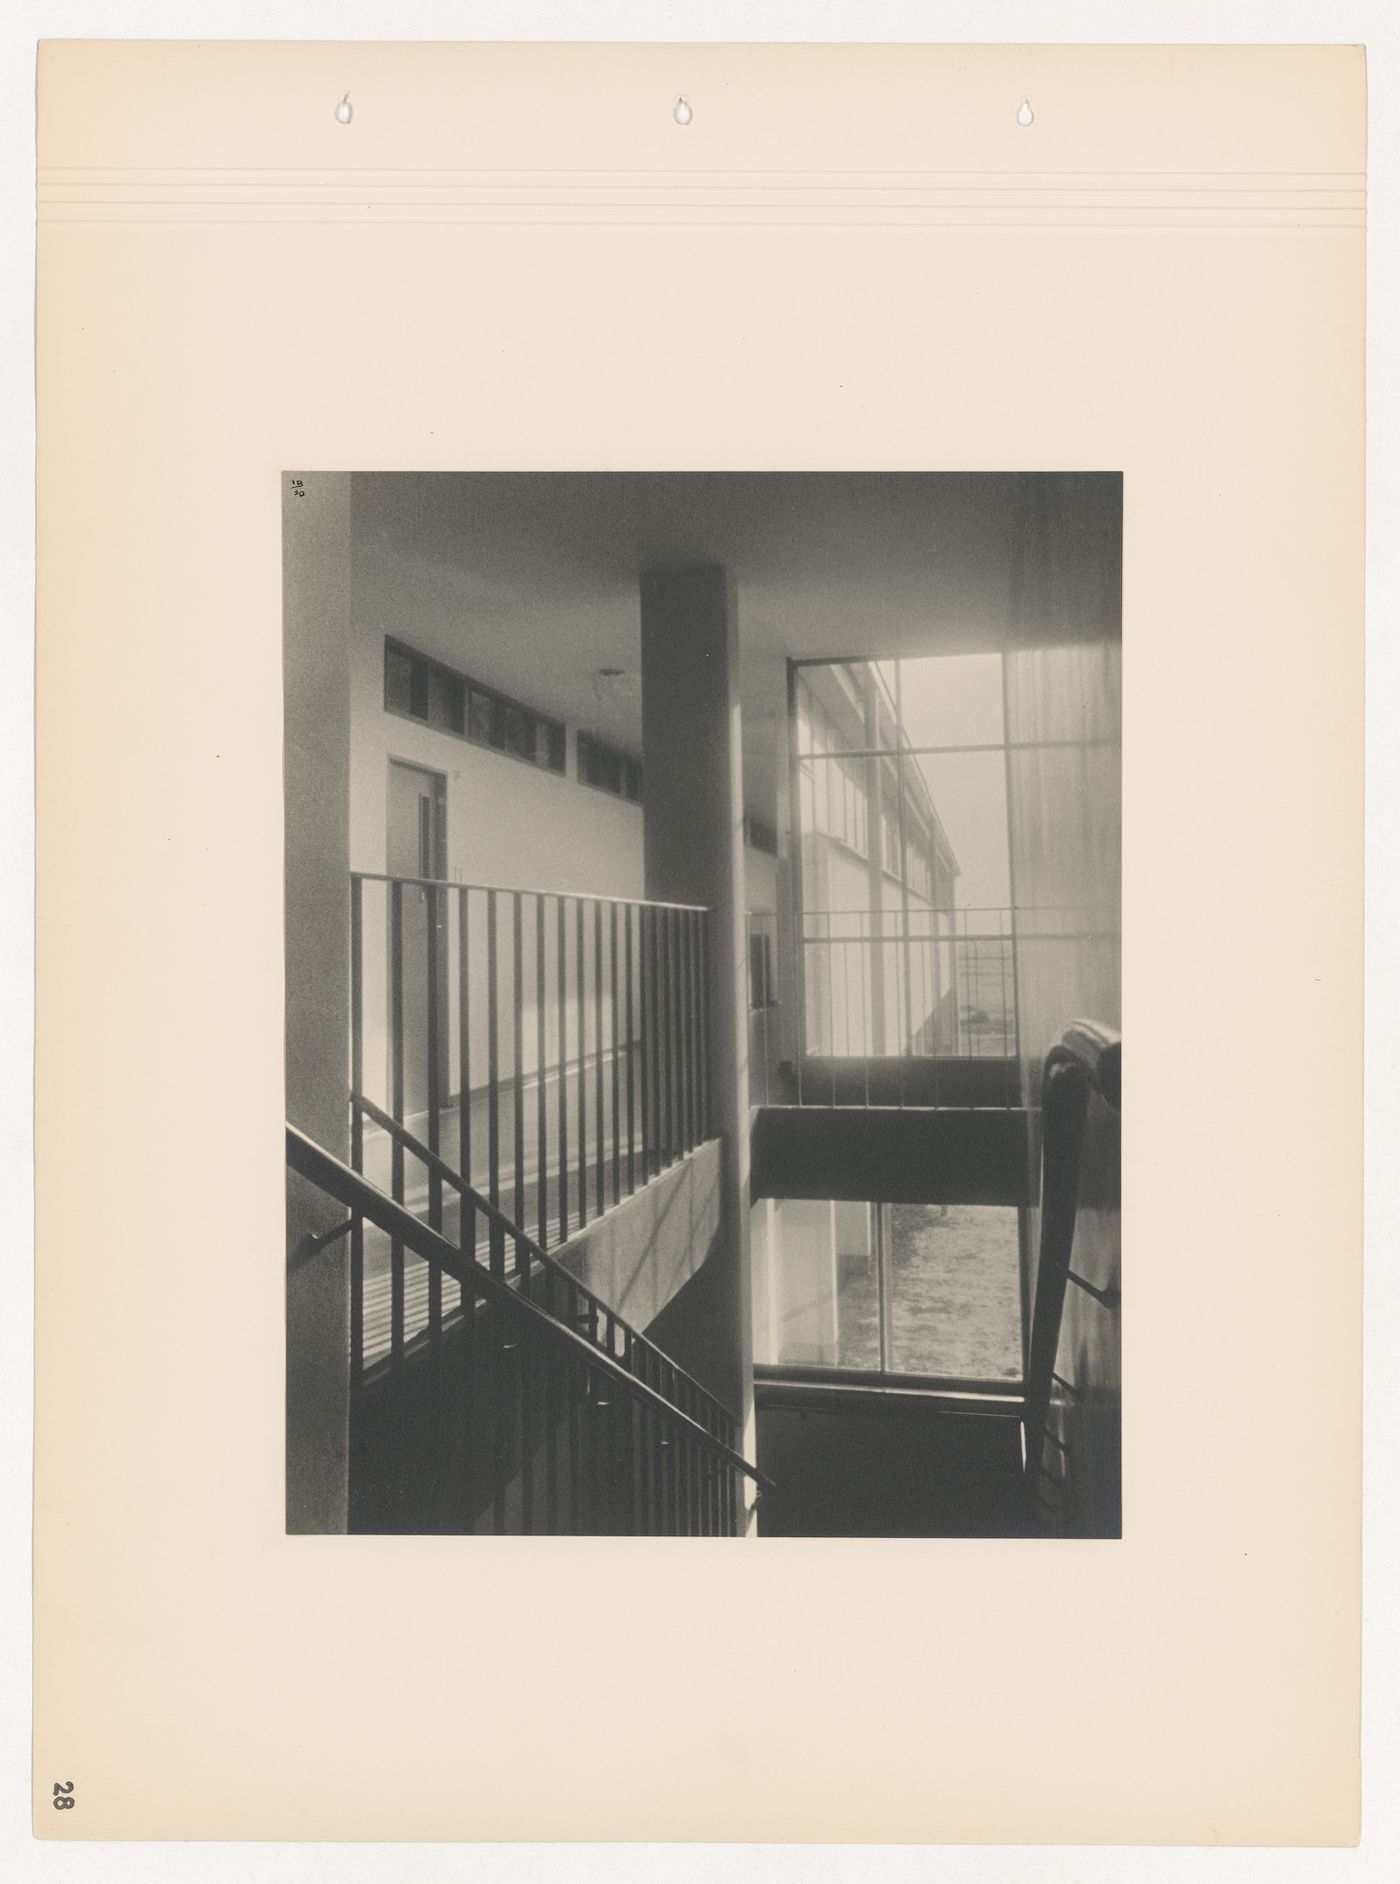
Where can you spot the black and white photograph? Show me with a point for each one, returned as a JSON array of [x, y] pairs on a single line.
[[703, 1003], [648, 650]]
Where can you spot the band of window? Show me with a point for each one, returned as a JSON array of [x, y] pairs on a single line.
[[426, 690]]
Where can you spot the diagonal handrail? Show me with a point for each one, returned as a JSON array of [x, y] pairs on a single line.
[[1088, 1057], [439, 1167], [357, 1194], [525, 889]]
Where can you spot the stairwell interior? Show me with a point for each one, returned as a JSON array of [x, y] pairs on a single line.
[[702, 964]]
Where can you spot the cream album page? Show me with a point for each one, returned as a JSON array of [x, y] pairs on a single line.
[[648, 659]]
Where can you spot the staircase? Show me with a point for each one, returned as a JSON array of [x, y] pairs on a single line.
[[522, 1403]]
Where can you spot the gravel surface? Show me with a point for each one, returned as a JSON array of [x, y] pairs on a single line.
[[956, 1296]]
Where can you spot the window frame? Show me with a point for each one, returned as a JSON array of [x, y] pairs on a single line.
[[485, 711], [813, 745], [630, 778], [883, 1373]]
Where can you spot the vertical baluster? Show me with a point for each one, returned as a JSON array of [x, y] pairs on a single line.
[[703, 922], [551, 1407], [582, 1066], [396, 1103], [644, 1040], [681, 951], [702, 1413], [616, 1143], [629, 1445], [683, 1464], [357, 1125], [659, 1033], [677, 978], [541, 1094], [466, 1225], [610, 1423], [655, 1463], [673, 1457], [562, 982], [705, 1457], [607, 1415], [692, 1111], [466, 1234], [696, 1044], [574, 1385], [697, 1460], [493, 1059], [501, 1370], [434, 967], [595, 1457], [631, 1054], [731, 1516], [667, 981], [721, 1476], [632, 1433], [723, 1472], [600, 1410], [524, 1374], [717, 1471], [646, 1462], [682, 1456], [497, 1335], [663, 1473], [598, 1103], [517, 987]]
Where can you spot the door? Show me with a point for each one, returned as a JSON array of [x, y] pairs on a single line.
[[418, 850]]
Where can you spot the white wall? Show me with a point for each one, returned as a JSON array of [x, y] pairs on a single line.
[[508, 823]]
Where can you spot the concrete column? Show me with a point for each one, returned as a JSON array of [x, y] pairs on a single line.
[[694, 853], [316, 774]]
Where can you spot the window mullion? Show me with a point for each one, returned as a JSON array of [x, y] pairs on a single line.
[[882, 1280]]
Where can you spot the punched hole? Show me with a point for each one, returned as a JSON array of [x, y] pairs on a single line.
[[1024, 114], [682, 113]]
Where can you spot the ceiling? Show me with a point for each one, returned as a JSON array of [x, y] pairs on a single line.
[[529, 581]]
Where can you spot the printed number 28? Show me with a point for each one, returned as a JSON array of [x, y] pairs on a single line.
[[63, 1800]]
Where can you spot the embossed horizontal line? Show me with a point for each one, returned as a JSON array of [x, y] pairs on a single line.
[[402, 223], [1357, 177]]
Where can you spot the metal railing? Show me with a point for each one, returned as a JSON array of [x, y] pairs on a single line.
[[838, 1033], [918, 984], [569, 1420], [1088, 1058], [555, 1043]]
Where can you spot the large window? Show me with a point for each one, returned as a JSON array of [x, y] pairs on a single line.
[[907, 936], [928, 1291]]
